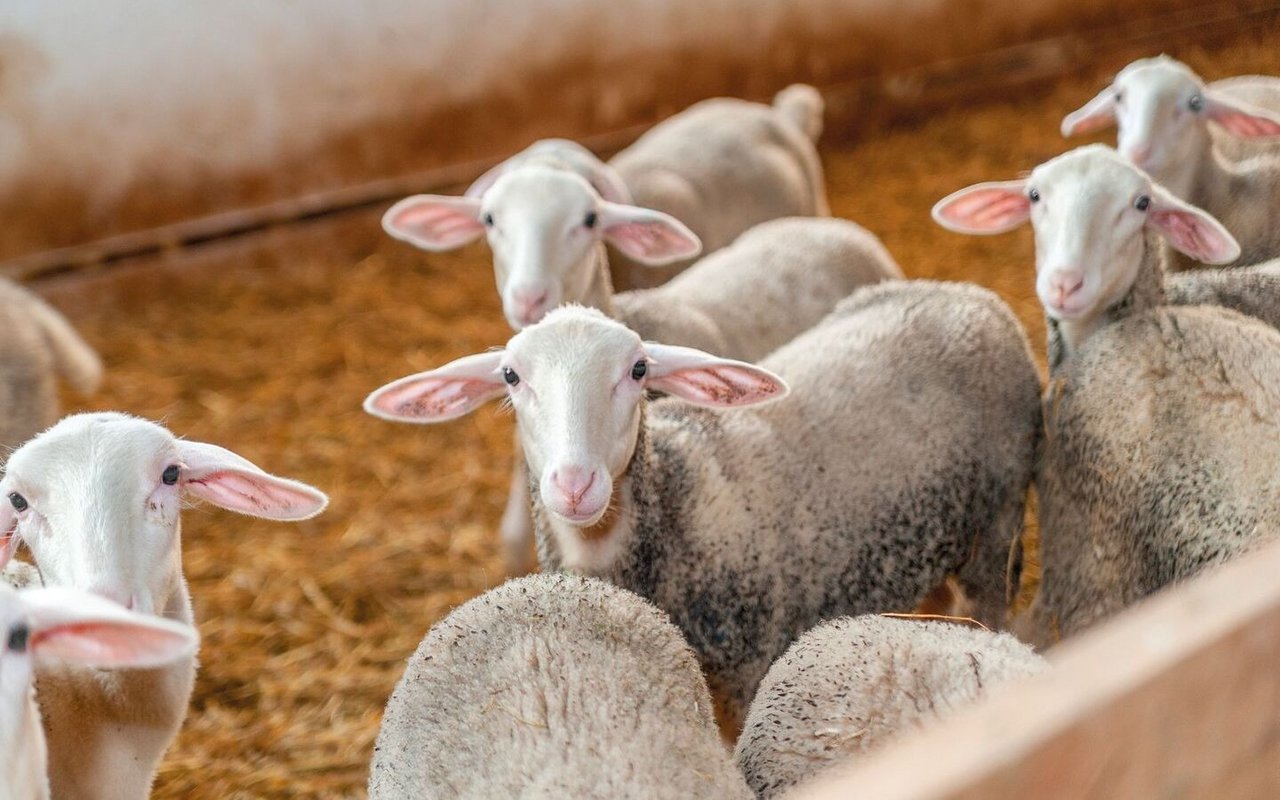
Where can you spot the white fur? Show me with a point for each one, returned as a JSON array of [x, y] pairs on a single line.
[[1229, 173], [30, 622], [100, 518]]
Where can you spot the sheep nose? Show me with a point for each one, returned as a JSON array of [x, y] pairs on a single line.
[[573, 482], [531, 304], [1139, 154], [1065, 283]]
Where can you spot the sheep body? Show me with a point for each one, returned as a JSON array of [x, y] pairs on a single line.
[[849, 685], [39, 346], [552, 686], [722, 166], [1162, 437]]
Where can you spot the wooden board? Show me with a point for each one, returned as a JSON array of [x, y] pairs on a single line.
[[1178, 697]]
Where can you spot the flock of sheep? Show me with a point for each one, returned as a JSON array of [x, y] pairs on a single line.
[[730, 470]]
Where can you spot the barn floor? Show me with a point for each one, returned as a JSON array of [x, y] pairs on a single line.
[[269, 345]]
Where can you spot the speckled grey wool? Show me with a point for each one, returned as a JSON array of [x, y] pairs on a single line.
[[552, 686], [1162, 440], [902, 454], [848, 686], [39, 344], [775, 281]]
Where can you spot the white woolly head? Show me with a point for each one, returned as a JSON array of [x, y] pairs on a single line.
[[97, 499], [576, 380], [1090, 209], [1162, 111], [544, 225]]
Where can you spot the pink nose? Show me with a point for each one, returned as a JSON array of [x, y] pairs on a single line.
[[1139, 154], [1063, 284], [531, 304], [573, 483]]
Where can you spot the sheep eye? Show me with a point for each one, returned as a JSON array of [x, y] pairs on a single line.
[[509, 375], [591, 220], [1196, 103], [19, 635], [488, 220], [1033, 195], [170, 475], [18, 502], [1142, 202], [639, 369]]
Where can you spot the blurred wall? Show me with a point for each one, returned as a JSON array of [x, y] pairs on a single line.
[[120, 114]]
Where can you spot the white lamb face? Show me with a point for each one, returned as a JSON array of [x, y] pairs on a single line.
[[1088, 210], [97, 498], [1159, 111], [543, 225], [92, 499]]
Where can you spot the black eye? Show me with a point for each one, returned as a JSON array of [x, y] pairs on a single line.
[[18, 501], [1033, 195], [639, 369], [170, 475], [1195, 103], [591, 219], [509, 375], [1142, 202], [1119, 97], [19, 635], [488, 220]]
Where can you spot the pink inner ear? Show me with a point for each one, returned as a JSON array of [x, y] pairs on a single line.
[[651, 240], [1188, 233], [722, 385], [436, 398], [259, 495], [110, 644], [986, 209], [1244, 125], [435, 224]]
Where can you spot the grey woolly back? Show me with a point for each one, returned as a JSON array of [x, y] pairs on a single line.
[[552, 686], [1162, 438], [848, 686]]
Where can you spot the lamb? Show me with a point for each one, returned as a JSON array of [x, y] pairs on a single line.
[[1163, 111], [1160, 421], [96, 498], [1096, 256], [902, 454], [850, 685], [721, 166], [39, 345], [552, 686], [65, 626], [742, 302]]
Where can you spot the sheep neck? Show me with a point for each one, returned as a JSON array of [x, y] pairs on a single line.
[[1066, 336], [599, 290]]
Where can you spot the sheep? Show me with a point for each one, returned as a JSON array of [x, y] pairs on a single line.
[[1096, 257], [39, 345], [849, 685], [96, 499], [1160, 438], [552, 686], [902, 454], [742, 302], [721, 166], [1163, 111], [65, 626]]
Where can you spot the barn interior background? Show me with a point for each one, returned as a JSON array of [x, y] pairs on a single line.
[[199, 186]]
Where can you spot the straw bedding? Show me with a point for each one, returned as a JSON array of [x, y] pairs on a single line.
[[269, 346]]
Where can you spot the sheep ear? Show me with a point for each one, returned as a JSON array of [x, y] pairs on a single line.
[[984, 208], [482, 184], [72, 625], [1191, 230], [442, 394], [1098, 113], [435, 222], [608, 182], [1240, 118], [708, 380], [650, 237], [229, 481]]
